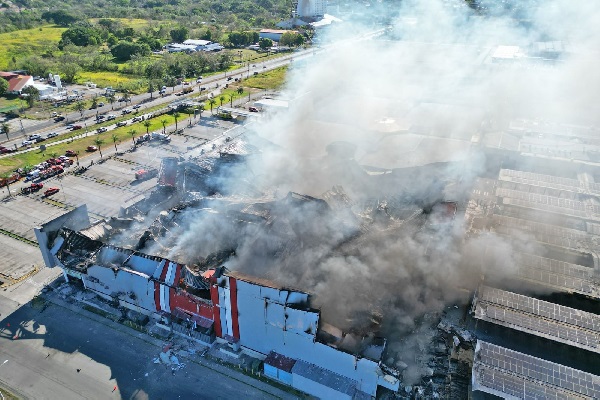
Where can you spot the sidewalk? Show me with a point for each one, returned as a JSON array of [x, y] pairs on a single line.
[[159, 344]]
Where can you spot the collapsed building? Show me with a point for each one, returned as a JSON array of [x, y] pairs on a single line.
[[247, 312]]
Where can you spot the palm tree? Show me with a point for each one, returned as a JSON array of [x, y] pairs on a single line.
[[7, 176], [111, 100], [126, 97], [147, 125], [98, 142], [222, 99], [212, 102], [240, 90], [95, 102], [80, 106], [201, 109], [151, 89], [114, 139], [132, 132], [164, 124], [231, 96], [6, 129], [176, 115]]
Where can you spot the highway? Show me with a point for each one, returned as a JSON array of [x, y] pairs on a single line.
[[213, 84]]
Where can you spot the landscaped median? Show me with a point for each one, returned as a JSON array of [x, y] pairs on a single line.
[[124, 139]]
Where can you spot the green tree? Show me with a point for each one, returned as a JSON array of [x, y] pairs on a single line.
[[32, 95], [80, 106], [111, 100], [287, 39], [99, 142], [94, 102], [164, 124], [126, 97], [265, 43], [222, 99], [176, 116], [180, 34], [211, 102], [147, 125], [114, 138], [124, 50], [69, 71], [240, 90], [151, 89], [6, 129], [60, 17], [132, 132], [6, 176], [82, 34], [3, 86]]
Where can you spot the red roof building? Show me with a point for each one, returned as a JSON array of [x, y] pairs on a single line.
[[16, 82]]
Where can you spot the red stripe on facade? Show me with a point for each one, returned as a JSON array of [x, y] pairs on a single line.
[[234, 308], [214, 296], [163, 274], [177, 275], [157, 295]]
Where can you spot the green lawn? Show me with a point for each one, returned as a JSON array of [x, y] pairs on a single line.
[[19, 44], [105, 78], [135, 23], [273, 79]]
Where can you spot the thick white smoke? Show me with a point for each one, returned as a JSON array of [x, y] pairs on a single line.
[[392, 101]]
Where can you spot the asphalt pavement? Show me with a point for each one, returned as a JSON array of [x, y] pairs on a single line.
[[63, 352]]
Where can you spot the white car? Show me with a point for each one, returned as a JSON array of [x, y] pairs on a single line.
[[51, 135], [27, 143]]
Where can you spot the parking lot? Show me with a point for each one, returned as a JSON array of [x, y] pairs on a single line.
[[107, 184]]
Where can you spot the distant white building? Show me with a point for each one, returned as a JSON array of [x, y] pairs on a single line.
[[311, 8]]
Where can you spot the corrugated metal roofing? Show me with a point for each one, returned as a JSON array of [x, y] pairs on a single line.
[[325, 377], [280, 362]]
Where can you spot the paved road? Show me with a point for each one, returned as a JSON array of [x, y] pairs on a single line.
[[55, 343], [17, 135]]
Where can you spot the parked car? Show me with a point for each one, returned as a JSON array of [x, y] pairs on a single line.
[[101, 104], [101, 130], [26, 143], [144, 138], [138, 119], [34, 187], [54, 114], [69, 126], [51, 135], [121, 123], [34, 137], [91, 149], [110, 117], [136, 107], [76, 127], [70, 153], [59, 118], [127, 111], [51, 191], [40, 139], [252, 109], [5, 151], [144, 174]]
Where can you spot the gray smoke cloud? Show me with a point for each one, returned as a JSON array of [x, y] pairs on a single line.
[[388, 103]]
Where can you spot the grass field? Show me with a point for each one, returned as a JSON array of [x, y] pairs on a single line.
[[134, 23], [273, 79], [26, 42], [104, 78]]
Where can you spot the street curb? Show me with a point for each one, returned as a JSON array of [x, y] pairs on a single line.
[[238, 376]]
